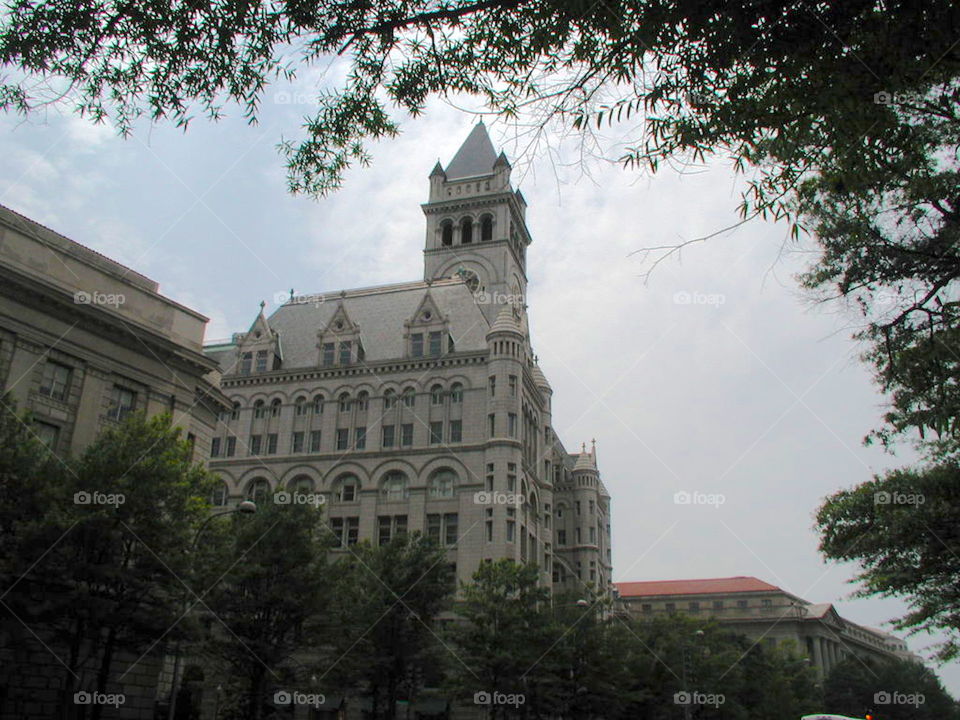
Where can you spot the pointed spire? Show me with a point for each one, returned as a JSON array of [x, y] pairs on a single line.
[[502, 161], [438, 170], [475, 157]]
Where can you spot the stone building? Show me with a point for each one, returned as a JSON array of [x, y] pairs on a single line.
[[84, 341], [420, 405], [765, 613]]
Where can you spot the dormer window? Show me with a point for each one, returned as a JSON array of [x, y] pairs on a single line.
[[436, 346], [329, 350], [416, 345], [246, 363], [261, 361], [346, 348]]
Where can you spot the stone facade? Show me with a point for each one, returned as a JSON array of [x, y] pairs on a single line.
[[765, 613], [83, 342], [420, 406]]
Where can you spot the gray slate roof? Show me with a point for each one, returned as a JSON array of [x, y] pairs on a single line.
[[380, 312], [475, 157]]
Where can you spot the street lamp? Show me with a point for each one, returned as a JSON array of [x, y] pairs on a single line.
[[247, 507]]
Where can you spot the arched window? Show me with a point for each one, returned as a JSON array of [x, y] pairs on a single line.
[[486, 228], [446, 233], [409, 397], [259, 409], [300, 404], [345, 402], [436, 395], [302, 484], [235, 412], [394, 486], [363, 399], [275, 408], [318, 405], [259, 490], [442, 483], [466, 231], [346, 488], [220, 495], [456, 393], [389, 399]]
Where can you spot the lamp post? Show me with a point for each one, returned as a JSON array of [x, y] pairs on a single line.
[[247, 507]]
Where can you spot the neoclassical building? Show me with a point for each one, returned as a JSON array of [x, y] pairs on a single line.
[[420, 406]]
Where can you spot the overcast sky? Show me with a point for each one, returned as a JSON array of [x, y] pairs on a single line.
[[715, 376]]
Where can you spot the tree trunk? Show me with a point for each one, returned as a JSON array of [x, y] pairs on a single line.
[[103, 675]]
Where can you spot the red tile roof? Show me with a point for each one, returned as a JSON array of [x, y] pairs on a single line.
[[694, 587]]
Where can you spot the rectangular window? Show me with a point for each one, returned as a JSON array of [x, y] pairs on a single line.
[[296, 445], [512, 424], [360, 438], [512, 384], [314, 441], [766, 602], [272, 444], [433, 528], [593, 535], [576, 532], [436, 433], [416, 345], [388, 435], [694, 606], [593, 507], [383, 529], [246, 363], [406, 435], [231, 446], [255, 444], [343, 438], [742, 604], [261, 361], [492, 424], [561, 537], [578, 508], [328, 354], [435, 344], [348, 492], [353, 530], [511, 530], [346, 348], [450, 524], [215, 447], [456, 431], [47, 434], [489, 530], [511, 483], [718, 604], [670, 607], [122, 402], [55, 382], [336, 526], [493, 385], [399, 525]]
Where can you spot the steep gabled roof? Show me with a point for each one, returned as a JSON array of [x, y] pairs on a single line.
[[475, 157]]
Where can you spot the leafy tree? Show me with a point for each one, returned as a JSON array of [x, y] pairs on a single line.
[[892, 690], [386, 640], [503, 638], [99, 569], [904, 530], [270, 585]]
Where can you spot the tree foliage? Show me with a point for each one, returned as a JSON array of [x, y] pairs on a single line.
[[903, 529]]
